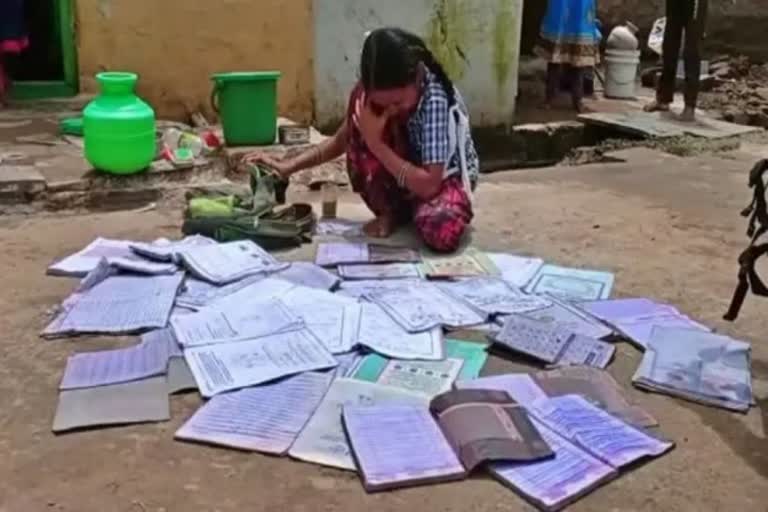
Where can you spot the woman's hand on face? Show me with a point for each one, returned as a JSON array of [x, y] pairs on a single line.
[[371, 124], [283, 167]]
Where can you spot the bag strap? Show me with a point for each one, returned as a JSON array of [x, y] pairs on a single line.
[[748, 279], [758, 208]]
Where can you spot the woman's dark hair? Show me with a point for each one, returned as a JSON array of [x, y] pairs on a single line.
[[391, 58]]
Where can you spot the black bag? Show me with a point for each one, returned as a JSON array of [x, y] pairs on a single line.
[[757, 212]]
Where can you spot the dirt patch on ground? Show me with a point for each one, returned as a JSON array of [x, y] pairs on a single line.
[[743, 96]]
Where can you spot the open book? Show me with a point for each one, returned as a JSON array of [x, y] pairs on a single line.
[[590, 446], [401, 445]]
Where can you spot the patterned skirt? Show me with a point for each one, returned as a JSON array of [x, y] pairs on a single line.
[[569, 33]]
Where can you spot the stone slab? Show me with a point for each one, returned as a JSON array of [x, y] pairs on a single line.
[[665, 125]]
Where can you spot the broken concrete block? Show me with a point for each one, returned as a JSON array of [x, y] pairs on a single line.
[[20, 183]]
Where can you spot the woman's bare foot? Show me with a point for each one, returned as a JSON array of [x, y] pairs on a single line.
[[380, 227], [656, 106], [688, 115]]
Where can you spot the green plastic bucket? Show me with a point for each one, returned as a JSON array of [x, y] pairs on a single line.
[[247, 105]]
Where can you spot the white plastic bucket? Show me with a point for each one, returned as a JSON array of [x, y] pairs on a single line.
[[621, 73]]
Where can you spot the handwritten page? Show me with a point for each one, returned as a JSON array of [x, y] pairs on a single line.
[[493, 296], [331, 254], [618, 309], [323, 440], [361, 289], [424, 307], [606, 437], [553, 483], [163, 249], [382, 271], [598, 387], [246, 322], [325, 315], [265, 418], [147, 359], [138, 401], [308, 274], [230, 366], [699, 366], [570, 317], [119, 304], [379, 332], [118, 253], [228, 262], [196, 293], [516, 270], [572, 283], [399, 445], [520, 386]]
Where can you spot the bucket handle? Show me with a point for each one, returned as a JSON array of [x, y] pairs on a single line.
[[215, 98]]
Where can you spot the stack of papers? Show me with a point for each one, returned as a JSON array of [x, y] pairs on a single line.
[[698, 366], [231, 366], [636, 318], [469, 263], [382, 271], [323, 440], [304, 273], [147, 359], [572, 283], [118, 253], [371, 327], [552, 343], [492, 296], [325, 315], [463, 361], [590, 446], [225, 263], [244, 321], [424, 307], [331, 254], [265, 418], [570, 317], [596, 386], [197, 294], [116, 304], [163, 249]]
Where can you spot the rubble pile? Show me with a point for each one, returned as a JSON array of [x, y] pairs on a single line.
[[742, 93]]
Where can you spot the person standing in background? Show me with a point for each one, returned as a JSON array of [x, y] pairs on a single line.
[[569, 42], [13, 39], [687, 16]]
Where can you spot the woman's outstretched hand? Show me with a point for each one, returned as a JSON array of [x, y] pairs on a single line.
[[283, 167]]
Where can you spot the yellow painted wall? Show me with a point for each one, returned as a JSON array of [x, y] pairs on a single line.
[[175, 45]]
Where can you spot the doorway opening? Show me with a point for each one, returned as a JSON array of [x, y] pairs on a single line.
[[48, 67]]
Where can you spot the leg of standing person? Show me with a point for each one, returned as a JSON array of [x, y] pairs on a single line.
[[673, 35], [577, 75], [553, 83], [694, 34]]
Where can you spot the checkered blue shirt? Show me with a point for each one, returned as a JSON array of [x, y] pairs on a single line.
[[428, 130]]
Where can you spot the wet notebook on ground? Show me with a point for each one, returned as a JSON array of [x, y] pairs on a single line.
[[400, 445], [590, 446], [331, 254], [552, 343]]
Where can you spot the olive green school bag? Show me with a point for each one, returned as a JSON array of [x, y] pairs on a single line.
[[228, 218]]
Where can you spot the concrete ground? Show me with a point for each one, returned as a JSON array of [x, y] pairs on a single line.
[[668, 227]]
